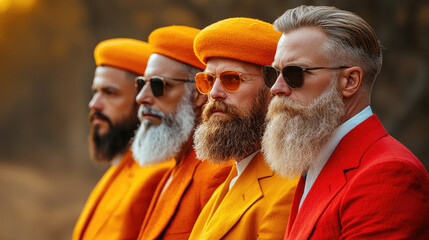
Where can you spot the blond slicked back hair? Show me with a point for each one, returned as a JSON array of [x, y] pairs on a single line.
[[351, 40]]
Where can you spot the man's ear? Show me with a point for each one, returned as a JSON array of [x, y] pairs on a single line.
[[351, 81], [199, 99]]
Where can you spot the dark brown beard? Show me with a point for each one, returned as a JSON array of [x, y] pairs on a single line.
[[116, 141], [220, 139]]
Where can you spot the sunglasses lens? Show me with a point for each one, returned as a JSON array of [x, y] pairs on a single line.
[[293, 76], [270, 75], [157, 86], [204, 82], [139, 84], [230, 80]]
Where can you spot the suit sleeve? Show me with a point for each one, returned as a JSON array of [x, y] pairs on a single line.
[[387, 200]]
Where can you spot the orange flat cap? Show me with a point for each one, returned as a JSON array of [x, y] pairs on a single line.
[[176, 42], [125, 53], [243, 39]]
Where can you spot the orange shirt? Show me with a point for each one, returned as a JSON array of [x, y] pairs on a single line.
[[116, 207], [173, 214]]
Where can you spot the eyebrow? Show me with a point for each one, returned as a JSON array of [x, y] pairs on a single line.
[[109, 88], [106, 88], [275, 66]]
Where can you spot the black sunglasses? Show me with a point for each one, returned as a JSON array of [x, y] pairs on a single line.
[[157, 84], [293, 75]]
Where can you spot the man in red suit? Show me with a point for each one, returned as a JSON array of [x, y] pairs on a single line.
[[357, 182]]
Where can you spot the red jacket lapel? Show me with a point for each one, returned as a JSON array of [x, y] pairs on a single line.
[[331, 179], [295, 204]]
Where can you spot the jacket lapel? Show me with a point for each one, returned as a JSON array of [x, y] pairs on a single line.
[[224, 188], [95, 197], [295, 204], [119, 192], [244, 193], [93, 200], [331, 179], [153, 202], [165, 207]]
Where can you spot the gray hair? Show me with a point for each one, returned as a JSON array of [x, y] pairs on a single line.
[[351, 40], [190, 72]]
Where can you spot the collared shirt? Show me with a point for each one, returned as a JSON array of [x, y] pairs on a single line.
[[117, 160], [327, 150], [241, 165]]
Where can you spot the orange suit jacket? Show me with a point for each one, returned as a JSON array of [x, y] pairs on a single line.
[[256, 207], [173, 215], [116, 207], [372, 187]]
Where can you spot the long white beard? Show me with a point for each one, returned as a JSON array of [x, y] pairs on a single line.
[[156, 144], [295, 133]]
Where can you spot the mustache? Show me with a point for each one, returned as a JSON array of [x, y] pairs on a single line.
[[148, 110], [93, 114], [284, 105], [212, 105]]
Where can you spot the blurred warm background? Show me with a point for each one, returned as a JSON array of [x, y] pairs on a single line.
[[46, 69]]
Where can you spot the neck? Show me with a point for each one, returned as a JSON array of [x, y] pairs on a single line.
[[187, 146], [354, 105]]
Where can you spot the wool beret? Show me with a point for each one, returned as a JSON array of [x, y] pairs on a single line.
[[176, 42], [125, 53], [243, 39]]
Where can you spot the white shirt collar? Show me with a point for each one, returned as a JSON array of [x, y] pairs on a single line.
[[330, 146], [117, 160], [241, 165]]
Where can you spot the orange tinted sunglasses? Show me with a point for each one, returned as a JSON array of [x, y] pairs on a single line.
[[230, 80]]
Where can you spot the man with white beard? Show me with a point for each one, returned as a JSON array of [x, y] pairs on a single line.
[[170, 108], [254, 202], [357, 182]]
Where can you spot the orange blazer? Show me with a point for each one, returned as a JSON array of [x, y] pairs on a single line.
[[256, 207], [172, 215], [116, 207]]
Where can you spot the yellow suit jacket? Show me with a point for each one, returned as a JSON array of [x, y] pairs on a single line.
[[256, 207], [171, 216], [116, 207]]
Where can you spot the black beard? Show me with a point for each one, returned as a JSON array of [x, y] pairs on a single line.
[[116, 141]]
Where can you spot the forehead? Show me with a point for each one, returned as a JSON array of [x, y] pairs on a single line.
[[160, 65], [302, 46], [107, 75], [217, 65]]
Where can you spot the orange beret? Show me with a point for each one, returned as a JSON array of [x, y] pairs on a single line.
[[125, 53], [243, 39], [176, 42]]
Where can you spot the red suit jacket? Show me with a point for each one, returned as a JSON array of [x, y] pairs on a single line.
[[372, 187], [172, 215]]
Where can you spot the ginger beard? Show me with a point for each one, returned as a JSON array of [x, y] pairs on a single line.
[[296, 133], [104, 147], [156, 144], [219, 138]]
